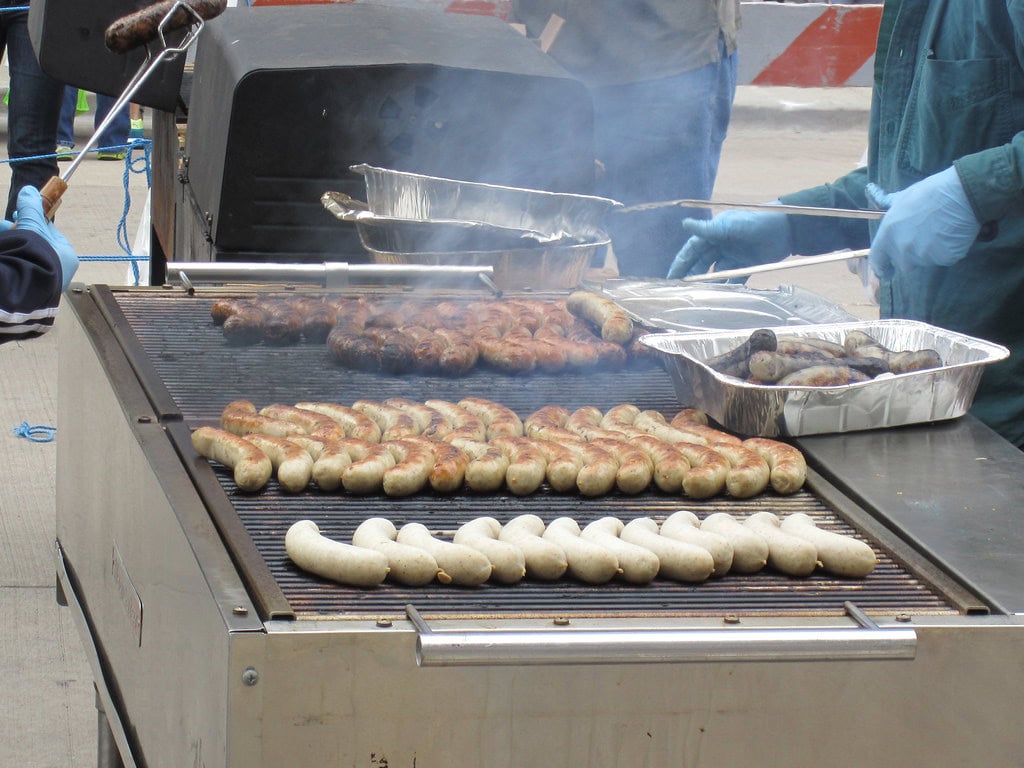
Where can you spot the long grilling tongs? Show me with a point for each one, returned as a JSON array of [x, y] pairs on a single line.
[[796, 210], [127, 33]]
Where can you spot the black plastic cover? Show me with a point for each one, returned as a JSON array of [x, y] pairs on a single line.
[[68, 38]]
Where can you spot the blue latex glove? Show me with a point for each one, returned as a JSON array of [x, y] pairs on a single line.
[[30, 217], [731, 240], [928, 224]]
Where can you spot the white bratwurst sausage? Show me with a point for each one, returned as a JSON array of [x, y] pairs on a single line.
[[463, 565], [344, 563], [508, 562], [411, 566], [840, 555]]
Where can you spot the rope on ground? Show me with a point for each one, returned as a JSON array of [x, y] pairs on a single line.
[[39, 433], [132, 164]]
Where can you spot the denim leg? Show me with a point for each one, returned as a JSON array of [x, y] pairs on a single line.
[[115, 135], [66, 125], [32, 112], [661, 140]]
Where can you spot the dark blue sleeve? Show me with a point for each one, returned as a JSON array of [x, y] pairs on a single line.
[[30, 281]]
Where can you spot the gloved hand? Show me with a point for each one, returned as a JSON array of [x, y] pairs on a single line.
[[731, 240], [30, 217], [930, 223]]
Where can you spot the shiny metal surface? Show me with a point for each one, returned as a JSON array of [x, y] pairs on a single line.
[[825, 258], [674, 306], [886, 401], [211, 687], [121, 488], [329, 275], [416, 196], [405, 234], [652, 646], [339, 695], [539, 267], [798, 210]]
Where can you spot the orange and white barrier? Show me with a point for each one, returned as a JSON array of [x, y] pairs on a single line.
[[809, 45]]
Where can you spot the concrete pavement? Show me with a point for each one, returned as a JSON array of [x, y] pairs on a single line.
[[781, 140], [47, 711]]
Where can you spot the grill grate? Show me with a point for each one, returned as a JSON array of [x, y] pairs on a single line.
[[202, 373], [267, 517]]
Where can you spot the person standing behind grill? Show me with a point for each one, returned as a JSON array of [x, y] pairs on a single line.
[[662, 75], [36, 265], [33, 108], [946, 160]]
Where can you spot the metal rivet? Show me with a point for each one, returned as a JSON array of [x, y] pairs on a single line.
[[903, 617], [240, 610], [250, 676], [561, 621], [384, 622], [731, 619]]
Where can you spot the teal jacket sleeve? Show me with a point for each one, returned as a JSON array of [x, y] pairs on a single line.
[[812, 235], [994, 180]]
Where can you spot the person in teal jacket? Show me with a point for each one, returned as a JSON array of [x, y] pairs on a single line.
[[946, 161]]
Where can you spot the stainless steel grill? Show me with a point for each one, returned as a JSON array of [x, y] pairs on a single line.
[[168, 570]]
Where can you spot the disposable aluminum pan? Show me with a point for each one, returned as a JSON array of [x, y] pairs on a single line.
[[399, 234], [415, 196], [535, 266], [886, 401]]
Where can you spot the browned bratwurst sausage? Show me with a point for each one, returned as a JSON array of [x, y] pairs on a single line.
[[240, 418], [787, 464], [615, 325], [244, 326], [312, 423], [823, 376], [141, 27], [355, 424], [252, 468]]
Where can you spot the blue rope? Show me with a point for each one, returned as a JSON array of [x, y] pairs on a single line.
[[40, 433], [129, 162], [144, 166]]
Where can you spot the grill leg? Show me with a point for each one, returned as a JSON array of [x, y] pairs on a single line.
[[107, 755]]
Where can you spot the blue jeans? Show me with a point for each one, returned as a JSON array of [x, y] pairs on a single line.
[[115, 136], [33, 107], [661, 140]]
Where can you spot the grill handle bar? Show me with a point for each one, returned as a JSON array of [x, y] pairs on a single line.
[[658, 646], [330, 274]]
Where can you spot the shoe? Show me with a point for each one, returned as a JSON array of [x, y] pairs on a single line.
[[136, 130], [64, 153], [119, 155]]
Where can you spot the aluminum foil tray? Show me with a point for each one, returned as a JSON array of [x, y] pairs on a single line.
[[886, 401], [676, 306], [553, 267], [416, 196]]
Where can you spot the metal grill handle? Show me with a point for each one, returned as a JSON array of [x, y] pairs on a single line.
[[331, 274], [606, 646]]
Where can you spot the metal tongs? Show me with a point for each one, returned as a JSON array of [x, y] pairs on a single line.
[[124, 34], [795, 210], [805, 261]]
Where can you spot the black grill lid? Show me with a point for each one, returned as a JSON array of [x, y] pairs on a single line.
[[285, 99]]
